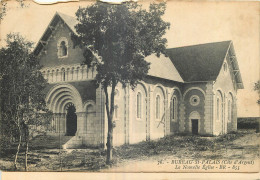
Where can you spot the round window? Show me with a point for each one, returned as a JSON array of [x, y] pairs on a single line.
[[194, 100]]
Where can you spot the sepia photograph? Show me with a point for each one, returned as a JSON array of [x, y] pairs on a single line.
[[130, 87]]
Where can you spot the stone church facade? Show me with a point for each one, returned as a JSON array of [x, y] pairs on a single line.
[[193, 90]]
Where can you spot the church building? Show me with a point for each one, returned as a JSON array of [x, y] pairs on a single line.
[[193, 91]]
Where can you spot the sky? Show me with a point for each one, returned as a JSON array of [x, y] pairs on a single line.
[[191, 23]]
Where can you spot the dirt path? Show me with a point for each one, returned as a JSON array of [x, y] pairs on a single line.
[[248, 140]]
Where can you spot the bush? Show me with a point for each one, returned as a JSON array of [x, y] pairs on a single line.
[[248, 123]]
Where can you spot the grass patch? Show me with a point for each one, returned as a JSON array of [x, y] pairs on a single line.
[[177, 143], [188, 146]]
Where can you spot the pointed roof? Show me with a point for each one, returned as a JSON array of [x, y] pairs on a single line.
[[68, 20], [163, 67], [203, 62], [199, 62]]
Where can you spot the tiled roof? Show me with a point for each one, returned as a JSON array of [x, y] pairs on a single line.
[[69, 20], [162, 67], [199, 62]]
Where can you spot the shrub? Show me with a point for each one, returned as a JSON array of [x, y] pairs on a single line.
[[248, 123]]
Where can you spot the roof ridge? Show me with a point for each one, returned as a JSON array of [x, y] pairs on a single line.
[[60, 13], [200, 44]]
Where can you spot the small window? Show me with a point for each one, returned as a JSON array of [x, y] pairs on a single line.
[[218, 109], [63, 74], [90, 108], [62, 47], [139, 105], [229, 111], [194, 100], [157, 107], [225, 67], [174, 109]]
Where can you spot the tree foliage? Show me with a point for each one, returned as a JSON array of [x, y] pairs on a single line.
[[116, 39], [122, 36], [22, 98], [3, 7]]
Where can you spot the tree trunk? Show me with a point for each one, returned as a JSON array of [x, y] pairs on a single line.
[[26, 129], [26, 155], [109, 145], [110, 113], [18, 149]]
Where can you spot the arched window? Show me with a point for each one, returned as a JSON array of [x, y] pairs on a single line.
[[139, 105], [229, 111], [90, 109], [77, 73], [57, 74], [157, 107], [62, 47], [63, 74], [174, 109], [225, 66], [218, 109]]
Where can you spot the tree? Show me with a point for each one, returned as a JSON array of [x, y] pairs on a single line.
[[22, 98], [116, 39], [3, 7], [257, 88]]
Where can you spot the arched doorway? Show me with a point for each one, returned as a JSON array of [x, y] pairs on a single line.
[[194, 122], [71, 120]]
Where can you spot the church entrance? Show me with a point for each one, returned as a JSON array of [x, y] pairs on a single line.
[[194, 126], [71, 120]]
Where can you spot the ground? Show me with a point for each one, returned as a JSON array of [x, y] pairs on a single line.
[[145, 156]]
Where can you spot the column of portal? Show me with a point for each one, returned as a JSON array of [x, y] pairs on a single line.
[[56, 122], [62, 121], [81, 123]]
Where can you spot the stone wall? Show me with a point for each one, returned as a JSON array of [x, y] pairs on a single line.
[[49, 55], [199, 108], [226, 86]]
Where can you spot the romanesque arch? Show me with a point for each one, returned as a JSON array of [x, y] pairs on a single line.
[[62, 94], [139, 114], [174, 102], [192, 88], [158, 112], [64, 101], [219, 111]]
